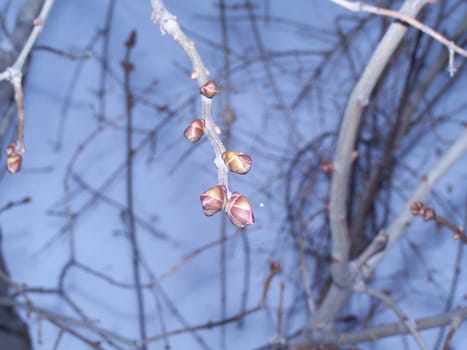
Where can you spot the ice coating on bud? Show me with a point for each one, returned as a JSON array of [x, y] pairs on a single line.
[[213, 199], [239, 210], [237, 162], [209, 89], [195, 130]]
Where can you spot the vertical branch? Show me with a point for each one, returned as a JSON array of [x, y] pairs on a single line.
[[305, 275], [217, 198], [223, 277], [246, 275], [280, 309], [358, 100], [128, 67], [455, 324], [16, 81], [227, 140], [14, 75], [105, 60], [453, 288]]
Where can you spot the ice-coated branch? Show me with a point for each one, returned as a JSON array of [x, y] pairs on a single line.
[[169, 25], [217, 198], [14, 75]]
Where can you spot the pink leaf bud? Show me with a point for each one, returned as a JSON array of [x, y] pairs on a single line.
[[237, 162], [213, 199], [13, 163], [13, 160], [239, 210], [195, 130], [429, 214], [209, 89], [417, 208], [327, 167]]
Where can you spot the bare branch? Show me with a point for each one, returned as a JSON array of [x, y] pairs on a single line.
[[358, 6], [405, 320], [404, 218], [358, 99]]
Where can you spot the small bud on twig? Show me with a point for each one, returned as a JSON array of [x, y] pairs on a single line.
[[417, 208], [131, 41], [213, 200], [14, 159], [327, 167], [275, 267], [195, 130], [209, 89], [239, 210], [237, 162], [429, 214]]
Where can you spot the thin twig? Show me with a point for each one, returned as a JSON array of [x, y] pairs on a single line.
[[128, 67], [305, 276], [12, 204], [455, 324], [274, 269], [207, 325], [398, 311], [105, 61], [70, 55]]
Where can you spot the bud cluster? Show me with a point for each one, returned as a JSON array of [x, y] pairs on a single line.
[[218, 198], [419, 209], [237, 207]]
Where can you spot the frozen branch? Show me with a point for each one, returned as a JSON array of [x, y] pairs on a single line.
[[217, 198], [14, 75], [169, 25]]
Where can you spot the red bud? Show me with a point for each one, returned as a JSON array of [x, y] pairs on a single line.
[[195, 130], [327, 167], [213, 200], [209, 89], [13, 163], [417, 208], [429, 214], [239, 210], [237, 162], [13, 159]]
